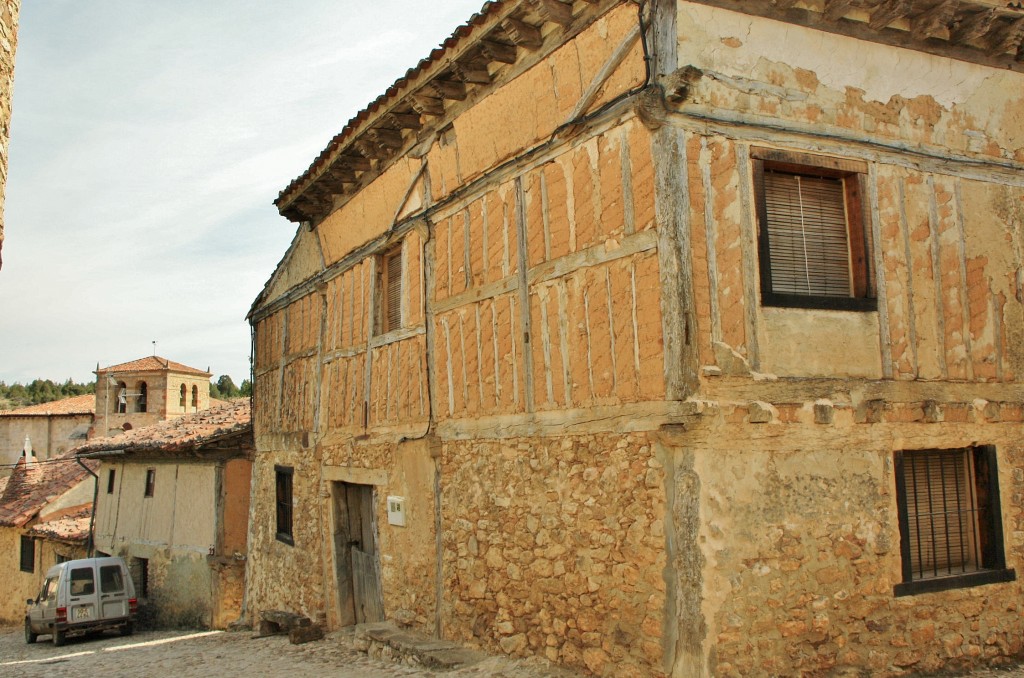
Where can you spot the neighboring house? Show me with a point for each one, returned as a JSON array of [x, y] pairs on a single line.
[[52, 428], [145, 391], [173, 500], [648, 337], [42, 505]]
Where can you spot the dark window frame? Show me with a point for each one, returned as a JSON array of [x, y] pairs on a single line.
[[142, 399], [150, 482], [183, 396], [284, 503], [121, 406], [110, 481], [390, 290], [852, 174], [983, 488], [27, 557]]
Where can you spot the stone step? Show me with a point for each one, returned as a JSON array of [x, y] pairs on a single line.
[[386, 641]]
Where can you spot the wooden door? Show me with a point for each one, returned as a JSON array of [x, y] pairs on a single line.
[[355, 555]]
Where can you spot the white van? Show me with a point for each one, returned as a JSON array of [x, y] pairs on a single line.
[[81, 596]]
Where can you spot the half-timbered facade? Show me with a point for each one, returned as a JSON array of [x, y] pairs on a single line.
[[662, 337]]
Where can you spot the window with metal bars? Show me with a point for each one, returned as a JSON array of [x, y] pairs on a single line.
[[813, 245], [389, 290], [951, 532]]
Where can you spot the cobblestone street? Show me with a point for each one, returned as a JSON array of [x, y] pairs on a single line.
[[184, 654]]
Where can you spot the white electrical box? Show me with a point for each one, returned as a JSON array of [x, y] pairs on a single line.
[[396, 511]]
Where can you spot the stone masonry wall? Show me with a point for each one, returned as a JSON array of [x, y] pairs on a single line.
[[9, 12], [555, 547], [800, 534]]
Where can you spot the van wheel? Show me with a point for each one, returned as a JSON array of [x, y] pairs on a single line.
[[58, 637], [127, 629], [29, 636]]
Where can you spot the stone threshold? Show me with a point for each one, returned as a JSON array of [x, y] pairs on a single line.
[[384, 640]]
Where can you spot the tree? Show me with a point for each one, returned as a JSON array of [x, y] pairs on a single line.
[[227, 387], [245, 390]]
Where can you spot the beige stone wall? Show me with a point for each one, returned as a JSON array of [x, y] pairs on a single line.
[[193, 580], [9, 12], [163, 400], [180, 515], [18, 586], [555, 547], [50, 436], [801, 547]]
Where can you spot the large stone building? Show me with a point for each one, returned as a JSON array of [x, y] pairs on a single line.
[[662, 338], [144, 391], [50, 429]]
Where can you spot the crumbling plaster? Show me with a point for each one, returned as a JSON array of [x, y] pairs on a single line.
[[948, 102]]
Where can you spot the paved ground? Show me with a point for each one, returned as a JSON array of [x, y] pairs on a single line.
[[182, 654]]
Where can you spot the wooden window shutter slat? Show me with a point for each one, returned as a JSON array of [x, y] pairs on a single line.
[[807, 235], [393, 265]]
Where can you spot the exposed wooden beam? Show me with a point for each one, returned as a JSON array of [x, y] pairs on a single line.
[[405, 120], [972, 26], [498, 51], [370, 149], [1007, 37], [340, 174], [888, 11], [522, 33], [390, 138], [784, 4], [475, 72], [449, 89], [837, 9], [934, 22], [424, 104], [555, 11], [356, 162]]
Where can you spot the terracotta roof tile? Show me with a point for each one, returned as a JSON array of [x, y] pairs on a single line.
[[70, 526], [184, 433], [83, 404], [153, 363], [30, 487]]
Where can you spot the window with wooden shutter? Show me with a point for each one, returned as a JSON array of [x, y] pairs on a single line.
[[950, 525], [389, 286], [813, 247]]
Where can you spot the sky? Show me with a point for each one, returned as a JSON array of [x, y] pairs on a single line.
[[148, 143]]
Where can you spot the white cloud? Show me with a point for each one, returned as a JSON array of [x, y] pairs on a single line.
[[149, 141]]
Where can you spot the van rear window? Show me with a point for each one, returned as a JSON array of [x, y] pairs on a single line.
[[111, 579], [82, 582]]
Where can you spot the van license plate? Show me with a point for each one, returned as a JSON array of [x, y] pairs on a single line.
[[83, 613]]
